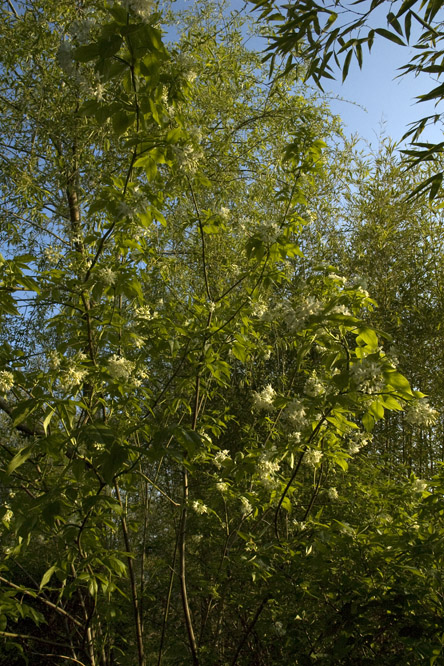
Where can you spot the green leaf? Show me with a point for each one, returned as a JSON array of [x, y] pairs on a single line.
[[121, 121], [346, 65], [391, 403], [376, 409], [368, 422], [47, 576], [239, 351], [109, 46], [86, 53], [390, 35], [113, 461], [22, 411], [20, 458], [397, 381], [367, 336]]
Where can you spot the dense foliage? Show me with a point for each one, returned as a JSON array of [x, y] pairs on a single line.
[[214, 448]]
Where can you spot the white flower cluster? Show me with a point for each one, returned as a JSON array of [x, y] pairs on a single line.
[[52, 254], [220, 458], [199, 507], [7, 517], [296, 317], [264, 399], [313, 386], [337, 278], [143, 8], [357, 440], [270, 232], [259, 309], [267, 469], [246, 507], [6, 381], [222, 487], [279, 629], [332, 494], [120, 368], [341, 309], [72, 377], [420, 413], [224, 213], [313, 457], [188, 158], [166, 101], [190, 76], [107, 276], [368, 377], [312, 216], [295, 414], [54, 360], [145, 313], [419, 485]]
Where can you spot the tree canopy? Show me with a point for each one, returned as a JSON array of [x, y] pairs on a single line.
[[217, 338]]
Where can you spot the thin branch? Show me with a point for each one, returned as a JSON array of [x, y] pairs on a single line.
[[13, 9], [35, 595], [250, 628]]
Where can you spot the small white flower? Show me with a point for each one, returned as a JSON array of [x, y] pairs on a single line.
[[54, 360], [98, 92], [120, 368], [341, 309], [7, 517], [199, 507], [295, 414], [187, 157], [264, 399], [313, 457], [145, 313], [6, 381], [337, 278], [420, 413], [333, 494], [224, 213], [419, 485], [279, 629], [270, 232], [107, 276], [246, 507], [143, 8], [52, 254], [259, 309], [222, 487], [368, 376], [313, 386], [72, 377], [357, 440], [220, 458]]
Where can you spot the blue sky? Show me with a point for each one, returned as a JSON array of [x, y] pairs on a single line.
[[374, 102], [389, 104]]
